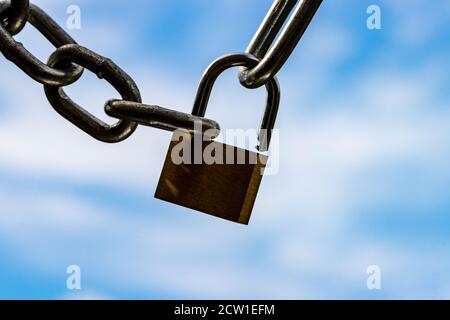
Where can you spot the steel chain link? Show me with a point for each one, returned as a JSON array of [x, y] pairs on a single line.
[[16, 15], [66, 65], [274, 57]]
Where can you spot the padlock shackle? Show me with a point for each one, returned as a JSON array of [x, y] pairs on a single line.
[[209, 78]]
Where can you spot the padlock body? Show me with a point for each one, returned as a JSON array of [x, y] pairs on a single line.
[[224, 188]]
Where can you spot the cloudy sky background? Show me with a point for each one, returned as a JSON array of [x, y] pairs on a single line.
[[364, 167]]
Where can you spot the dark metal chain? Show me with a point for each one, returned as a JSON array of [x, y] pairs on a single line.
[[273, 58], [33, 67], [103, 68], [67, 62], [16, 15]]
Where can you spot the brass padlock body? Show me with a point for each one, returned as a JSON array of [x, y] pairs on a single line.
[[225, 190]]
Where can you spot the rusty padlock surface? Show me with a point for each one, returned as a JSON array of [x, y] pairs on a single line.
[[226, 189]]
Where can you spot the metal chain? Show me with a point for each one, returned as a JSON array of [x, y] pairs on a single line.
[[16, 15], [103, 68], [65, 66], [67, 62], [32, 66], [273, 58]]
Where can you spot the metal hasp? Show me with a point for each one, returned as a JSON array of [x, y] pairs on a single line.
[[274, 57], [227, 186]]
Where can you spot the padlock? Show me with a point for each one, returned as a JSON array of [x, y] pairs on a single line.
[[226, 189]]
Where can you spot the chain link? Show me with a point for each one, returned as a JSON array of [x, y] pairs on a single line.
[[15, 15], [161, 118], [273, 58], [32, 66], [66, 65], [104, 68]]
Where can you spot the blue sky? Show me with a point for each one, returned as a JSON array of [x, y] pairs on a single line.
[[364, 173]]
